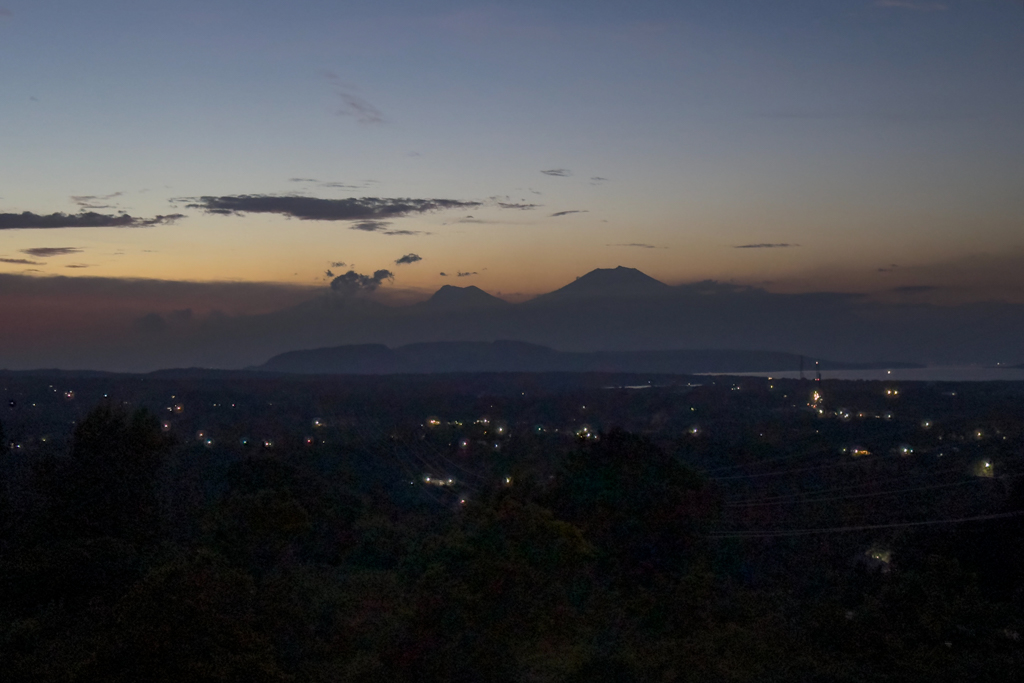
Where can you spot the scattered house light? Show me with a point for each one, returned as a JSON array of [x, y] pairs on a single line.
[[985, 469], [880, 555], [876, 558]]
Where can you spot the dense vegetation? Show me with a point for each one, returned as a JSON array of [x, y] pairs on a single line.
[[130, 555]]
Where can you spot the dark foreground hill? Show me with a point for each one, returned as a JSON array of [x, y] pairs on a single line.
[[514, 356]]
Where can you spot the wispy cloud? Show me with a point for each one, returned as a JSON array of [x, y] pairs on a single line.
[[354, 105], [344, 186], [407, 259], [94, 201], [20, 261], [558, 172], [466, 274], [357, 107], [514, 205], [914, 289], [46, 252], [566, 213], [638, 245], [371, 226], [367, 210], [909, 4], [86, 219], [766, 245]]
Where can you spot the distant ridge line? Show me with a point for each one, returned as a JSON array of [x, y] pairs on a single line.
[[517, 356]]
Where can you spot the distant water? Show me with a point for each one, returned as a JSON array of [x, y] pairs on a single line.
[[930, 374]]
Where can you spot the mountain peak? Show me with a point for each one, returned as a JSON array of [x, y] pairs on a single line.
[[620, 282], [450, 296]]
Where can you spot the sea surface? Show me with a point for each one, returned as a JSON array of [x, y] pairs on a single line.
[[976, 373]]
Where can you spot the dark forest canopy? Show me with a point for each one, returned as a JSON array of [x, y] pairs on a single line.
[[386, 530]]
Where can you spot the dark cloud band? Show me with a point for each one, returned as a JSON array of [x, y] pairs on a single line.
[[637, 245], [766, 245], [87, 219], [46, 252], [521, 207], [364, 209]]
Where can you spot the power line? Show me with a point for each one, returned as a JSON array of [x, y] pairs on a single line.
[[738, 501], [794, 499], [401, 462], [845, 529], [758, 463], [432, 464], [799, 469]]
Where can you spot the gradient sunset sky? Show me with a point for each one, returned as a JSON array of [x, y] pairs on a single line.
[[798, 145]]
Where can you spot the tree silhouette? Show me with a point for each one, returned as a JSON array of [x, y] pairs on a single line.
[[108, 485]]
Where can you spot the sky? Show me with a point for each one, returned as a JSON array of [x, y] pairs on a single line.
[[235, 152]]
